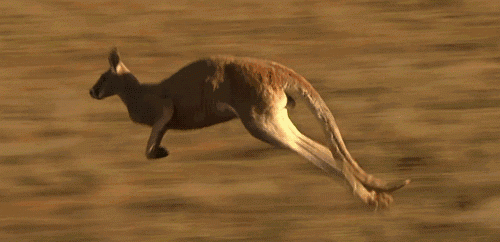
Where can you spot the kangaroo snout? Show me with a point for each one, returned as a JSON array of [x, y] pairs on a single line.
[[94, 94]]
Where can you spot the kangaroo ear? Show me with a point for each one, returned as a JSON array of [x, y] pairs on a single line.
[[114, 58]]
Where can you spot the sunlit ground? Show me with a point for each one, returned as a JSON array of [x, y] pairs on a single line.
[[413, 86]]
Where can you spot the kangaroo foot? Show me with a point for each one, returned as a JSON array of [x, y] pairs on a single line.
[[380, 200], [385, 187], [374, 184], [374, 199], [156, 152]]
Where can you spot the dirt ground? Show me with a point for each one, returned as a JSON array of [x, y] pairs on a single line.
[[414, 86]]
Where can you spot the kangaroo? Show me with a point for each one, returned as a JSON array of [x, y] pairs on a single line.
[[258, 92]]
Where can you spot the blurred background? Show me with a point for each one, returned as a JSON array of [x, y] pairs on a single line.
[[413, 84]]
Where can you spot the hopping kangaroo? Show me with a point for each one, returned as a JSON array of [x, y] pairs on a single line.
[[258, 92]]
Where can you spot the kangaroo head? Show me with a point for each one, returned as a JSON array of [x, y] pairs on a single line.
[[111, 81]]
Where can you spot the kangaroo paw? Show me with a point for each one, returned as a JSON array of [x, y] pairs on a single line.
[[157, 152]]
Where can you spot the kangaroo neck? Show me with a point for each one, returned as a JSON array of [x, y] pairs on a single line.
[[132, 91]]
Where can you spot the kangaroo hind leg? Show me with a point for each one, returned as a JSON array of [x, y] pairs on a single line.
[[276, 128]]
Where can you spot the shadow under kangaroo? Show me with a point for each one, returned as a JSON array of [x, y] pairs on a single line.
[[258, 92]]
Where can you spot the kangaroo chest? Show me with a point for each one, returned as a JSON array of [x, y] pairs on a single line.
[[144, 113]]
